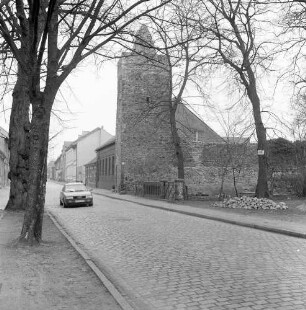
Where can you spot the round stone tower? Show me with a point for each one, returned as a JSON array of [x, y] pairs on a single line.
[[144, 150]]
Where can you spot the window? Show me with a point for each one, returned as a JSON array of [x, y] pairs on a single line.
[[105, 168], [197, 136], [113, 165], [75, 187]]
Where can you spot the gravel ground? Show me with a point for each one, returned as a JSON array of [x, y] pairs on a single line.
[[50, 276]]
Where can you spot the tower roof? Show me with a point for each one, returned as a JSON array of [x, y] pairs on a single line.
[[143, 43]]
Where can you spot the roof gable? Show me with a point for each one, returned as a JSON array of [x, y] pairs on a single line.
[[109, 142], [188, 120], [93, 161]]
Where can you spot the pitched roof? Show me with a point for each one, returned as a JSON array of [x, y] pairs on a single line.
[[189, 120], [109, 142], [3, 133], [87, 133], [67, 143], [185, 118], [143, 40], [94, 160], [84, 135]]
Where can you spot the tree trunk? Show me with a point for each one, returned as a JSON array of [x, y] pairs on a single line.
[[303, 185], [19, 144], [39, 135], [177, 145], [262, 181]]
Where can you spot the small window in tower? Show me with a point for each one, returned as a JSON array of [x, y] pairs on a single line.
[[197, 136]]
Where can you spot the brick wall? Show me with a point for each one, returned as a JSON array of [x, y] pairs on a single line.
[[106, 170]]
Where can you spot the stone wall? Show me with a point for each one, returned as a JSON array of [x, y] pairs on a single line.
[[144, 151], [215, 166]]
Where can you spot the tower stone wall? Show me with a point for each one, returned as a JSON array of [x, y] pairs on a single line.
[[144, 151]]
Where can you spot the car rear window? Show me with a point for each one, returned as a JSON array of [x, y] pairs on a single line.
[[75, 187]]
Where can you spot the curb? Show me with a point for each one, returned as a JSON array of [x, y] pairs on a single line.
[[213, 218], [109, 286]]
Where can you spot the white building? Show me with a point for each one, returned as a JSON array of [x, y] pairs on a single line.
[[82, 151], [86, 146], [70, 163]]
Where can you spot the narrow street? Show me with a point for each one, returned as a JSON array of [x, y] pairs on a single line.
[[163, 260]]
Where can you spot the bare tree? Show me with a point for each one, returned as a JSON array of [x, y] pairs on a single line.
[[235, 154], [177, 39], [293, 24], [232, 27], [48, 39], [19, 119]]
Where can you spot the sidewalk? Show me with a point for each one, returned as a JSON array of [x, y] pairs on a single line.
[[290, 222]]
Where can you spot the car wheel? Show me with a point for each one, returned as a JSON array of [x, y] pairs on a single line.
[[64, 205], [61, 203]]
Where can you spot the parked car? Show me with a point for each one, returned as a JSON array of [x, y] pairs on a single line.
[[73, 194]]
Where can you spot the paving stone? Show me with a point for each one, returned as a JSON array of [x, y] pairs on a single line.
[[258, 307], [177, 260]]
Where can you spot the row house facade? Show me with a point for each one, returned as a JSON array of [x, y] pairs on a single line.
[[60, 164], [86, 149], [106, 165], [51, 170], [70, 165]]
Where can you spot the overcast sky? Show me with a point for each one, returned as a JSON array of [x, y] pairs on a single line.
[[88, 100]]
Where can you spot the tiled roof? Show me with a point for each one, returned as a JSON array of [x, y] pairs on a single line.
[[110, 141], [94, 160], [189, 120]]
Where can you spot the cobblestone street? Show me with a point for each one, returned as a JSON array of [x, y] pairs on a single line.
[[163, 260]]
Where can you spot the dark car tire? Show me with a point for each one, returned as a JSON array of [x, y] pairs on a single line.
[[61, 203]]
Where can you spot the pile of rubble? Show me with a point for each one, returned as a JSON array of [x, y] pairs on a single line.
[[246, 202]]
